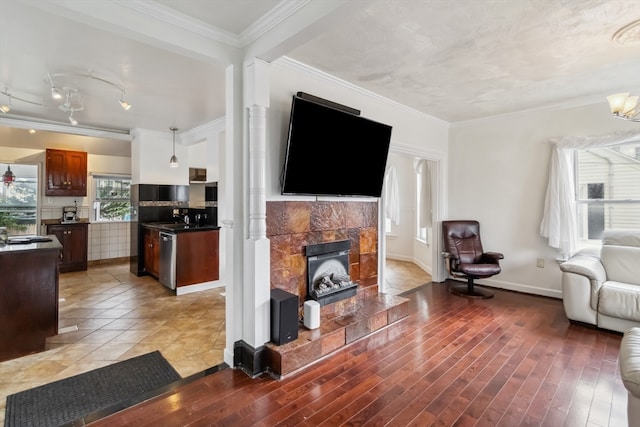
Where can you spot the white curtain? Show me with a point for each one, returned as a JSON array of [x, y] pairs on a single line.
[[391, 195], [559, 217], [423, 168]]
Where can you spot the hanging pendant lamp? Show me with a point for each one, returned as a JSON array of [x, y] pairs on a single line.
[[8, 178], [173, 162]]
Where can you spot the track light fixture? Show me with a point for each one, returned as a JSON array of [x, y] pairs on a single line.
[[173, 161], [72, 120], [5, 108], [72, 96]]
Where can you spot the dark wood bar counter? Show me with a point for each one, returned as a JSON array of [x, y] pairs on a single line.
[[28, 296]]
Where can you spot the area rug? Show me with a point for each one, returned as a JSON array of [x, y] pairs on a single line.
[[73, 398]]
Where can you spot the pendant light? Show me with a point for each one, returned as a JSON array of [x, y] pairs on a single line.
[[173, 162], [8, 178]]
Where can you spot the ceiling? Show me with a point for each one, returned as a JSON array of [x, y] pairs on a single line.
[[456, 61]]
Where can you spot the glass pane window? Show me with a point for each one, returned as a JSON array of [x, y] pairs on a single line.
[[19, 200], [607, 190], [112, 199]]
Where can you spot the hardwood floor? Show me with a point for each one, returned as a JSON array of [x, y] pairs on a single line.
[[513, 360]]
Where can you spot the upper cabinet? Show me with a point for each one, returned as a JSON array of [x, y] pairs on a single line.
[[66, 173]]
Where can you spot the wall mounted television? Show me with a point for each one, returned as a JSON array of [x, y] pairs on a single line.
[[333, 151]]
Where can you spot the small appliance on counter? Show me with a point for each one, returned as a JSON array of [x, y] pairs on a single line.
[[69, 214]]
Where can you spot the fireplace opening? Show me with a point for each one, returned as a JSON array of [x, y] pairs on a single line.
[[328, 277]]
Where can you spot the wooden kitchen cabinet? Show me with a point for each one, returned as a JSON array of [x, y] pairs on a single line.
[[197, 257], [152, 251], [66, 173], [75, 240]]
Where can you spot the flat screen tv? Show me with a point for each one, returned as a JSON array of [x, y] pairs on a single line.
[[333, 152]]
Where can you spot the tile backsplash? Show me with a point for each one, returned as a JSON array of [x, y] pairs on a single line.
[[108, 240]]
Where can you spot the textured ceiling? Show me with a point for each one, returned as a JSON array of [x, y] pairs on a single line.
[[455, 60], [465, 59]]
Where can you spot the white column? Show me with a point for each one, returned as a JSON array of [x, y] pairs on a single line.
[[257, 247]]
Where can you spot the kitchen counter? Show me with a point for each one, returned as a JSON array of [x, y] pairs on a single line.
[[24, 246], [183, 257], [29, 296], [179, 227]]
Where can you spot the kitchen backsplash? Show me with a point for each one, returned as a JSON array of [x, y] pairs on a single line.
[[108, 240]]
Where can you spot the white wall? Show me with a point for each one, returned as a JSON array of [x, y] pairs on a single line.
[[150, 154], [400, 240], [410, 128], [498, 175]]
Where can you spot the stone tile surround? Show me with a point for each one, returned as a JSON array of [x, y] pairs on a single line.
[[291, 226]]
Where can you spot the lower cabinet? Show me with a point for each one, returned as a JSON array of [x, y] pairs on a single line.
[[75, 243], [152, 251], [197, 257]]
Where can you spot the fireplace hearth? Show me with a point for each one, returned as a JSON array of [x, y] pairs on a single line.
[[328, 277]]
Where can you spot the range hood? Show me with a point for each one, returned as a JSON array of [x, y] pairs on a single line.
[[197, 175]]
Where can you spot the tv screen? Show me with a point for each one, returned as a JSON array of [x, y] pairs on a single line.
[[331, 152]]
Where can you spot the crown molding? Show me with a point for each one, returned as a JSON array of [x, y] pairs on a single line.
[[270, 20], [47, 125], [186, 22]]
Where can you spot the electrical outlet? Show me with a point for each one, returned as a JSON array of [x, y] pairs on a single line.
[[540, 263]]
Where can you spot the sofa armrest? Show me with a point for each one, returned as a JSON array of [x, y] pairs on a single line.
[[587, 265]]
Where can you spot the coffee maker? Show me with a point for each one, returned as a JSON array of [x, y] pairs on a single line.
[[69, 214]]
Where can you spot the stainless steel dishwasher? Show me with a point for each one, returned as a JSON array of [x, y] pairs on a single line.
[[167, 270]]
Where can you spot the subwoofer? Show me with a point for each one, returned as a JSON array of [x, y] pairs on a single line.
[[284, 316]]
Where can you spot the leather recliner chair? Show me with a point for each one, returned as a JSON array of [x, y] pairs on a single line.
[[465, 258]]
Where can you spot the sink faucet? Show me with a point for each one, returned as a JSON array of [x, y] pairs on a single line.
[[186, 219]]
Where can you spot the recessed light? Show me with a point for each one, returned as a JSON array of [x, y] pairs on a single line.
[[32, 131]]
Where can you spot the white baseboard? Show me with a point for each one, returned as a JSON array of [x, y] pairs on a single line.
[[517, 287], [182, 290], [405, 258]]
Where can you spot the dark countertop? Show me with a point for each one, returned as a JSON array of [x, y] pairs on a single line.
[[171, 227], [54, 244], [59, 221]]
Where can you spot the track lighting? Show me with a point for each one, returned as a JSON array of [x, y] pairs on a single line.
[[173, 161], [73, 121], [5, 108], [124, 104], [72, 96]]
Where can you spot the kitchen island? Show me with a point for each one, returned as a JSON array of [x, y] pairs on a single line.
[[184, 257], [28, 294]]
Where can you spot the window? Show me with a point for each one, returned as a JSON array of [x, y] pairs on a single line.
[[111, 198], [18, 201], [607, 190]]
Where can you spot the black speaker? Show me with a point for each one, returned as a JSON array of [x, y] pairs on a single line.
[[284, 316]]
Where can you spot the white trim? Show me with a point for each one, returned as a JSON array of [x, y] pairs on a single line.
[[180, 20], [201, 133], [517, 287], [270, 20], [183, 290], [30, 123]]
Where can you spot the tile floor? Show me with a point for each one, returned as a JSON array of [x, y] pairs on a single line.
[[118, 316], [402, 276]]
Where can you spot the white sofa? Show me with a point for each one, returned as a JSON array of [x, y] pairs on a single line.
[[629, 360], [601, 287]]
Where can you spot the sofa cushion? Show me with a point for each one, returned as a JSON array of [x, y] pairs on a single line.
[[622, 300], [622, 263], [630, 361], [621, 238]]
